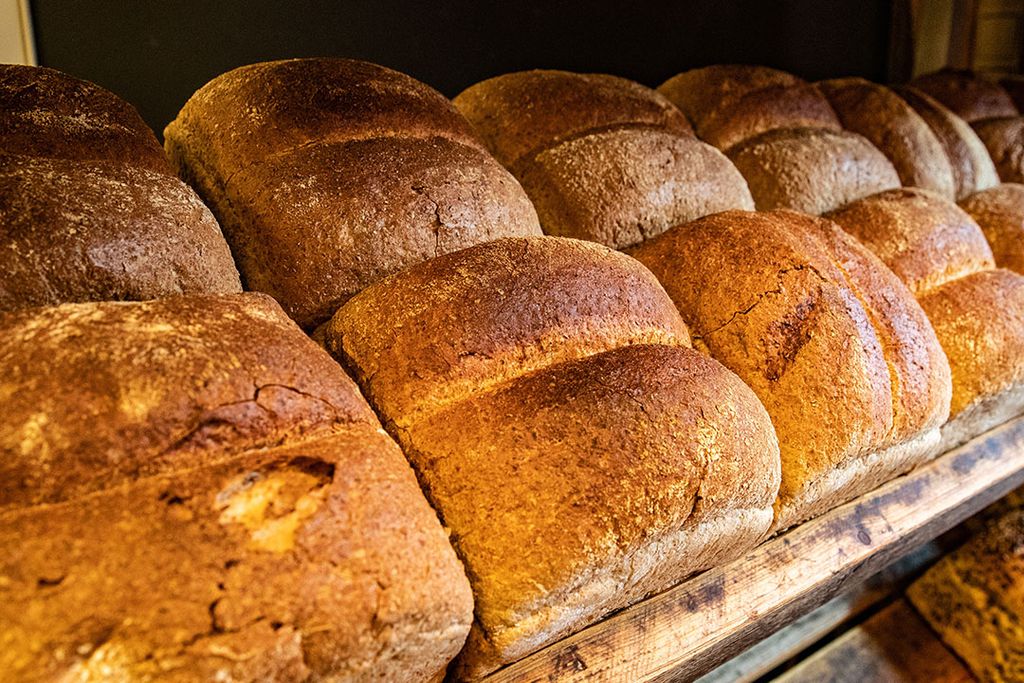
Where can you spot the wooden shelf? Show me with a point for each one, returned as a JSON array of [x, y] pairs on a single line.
[[687, 631]]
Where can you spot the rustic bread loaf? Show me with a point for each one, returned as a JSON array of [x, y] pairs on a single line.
[[999, 212], [893, 127], [974, 599], [730, 103], [779, 297], [580, 453], [225, 507], [1014, 87], [602, 158], [972, 166], [328, 174], [1004, 140], [90, 209], [977, 312], [811, 169], [968, 96]]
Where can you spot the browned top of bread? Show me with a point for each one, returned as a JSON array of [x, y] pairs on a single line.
[[256, 111], [1004, 140], [518, 114], [897, 130], [970, 97], [793, 294], [622, 186], [505, 308], [730, 103], [47, 113], [159, 386], [1000, 213], [85, 231], [811, 170], [972, 166], [926, 240]]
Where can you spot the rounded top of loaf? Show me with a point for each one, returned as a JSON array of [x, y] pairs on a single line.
[[999, 212], [519, 114], [970, 97], [47, 113], [255, 111], [925, 239], [238, 374], [811, 169], [972, 166], [464, 322], [728, 104], [1004, 140], [892, 125]]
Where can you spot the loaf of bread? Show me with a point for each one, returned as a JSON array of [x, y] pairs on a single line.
[[974, 599], [830, 340], [1004, 140], [893, 127], [602, 158], [968, 96], [329, 174], [221, 507], [729, 103], [977, 311], [972, 166], [999, 212], [812, 170], [580, 453], [90, 208], [1014, 87]]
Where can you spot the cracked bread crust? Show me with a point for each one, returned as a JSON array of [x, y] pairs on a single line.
[[793, 294], [892, 125], [999, 212], [519, 114], [729, 103], [49, 114], [286, 539], [580, 453], [78, 230], [328, 174], [811, 170]]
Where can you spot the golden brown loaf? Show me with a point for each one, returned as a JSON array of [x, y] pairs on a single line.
[[897, 130], [968, 96], [730, 103], [224, 507], [580, 453], [778, 297], [977, 312], [1000, 214], [811, 170], [328, 174], [90, 209], [974, 599], [972, 166], [602, 158], [1004, 140]]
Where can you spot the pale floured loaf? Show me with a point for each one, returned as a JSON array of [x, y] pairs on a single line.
[[834, 345], [999, 212], [221, 507], [581, 454], [328, 174]]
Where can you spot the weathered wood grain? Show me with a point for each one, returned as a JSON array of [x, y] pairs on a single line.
[[690, 629]]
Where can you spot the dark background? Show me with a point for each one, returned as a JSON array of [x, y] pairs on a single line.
[[156, 54]]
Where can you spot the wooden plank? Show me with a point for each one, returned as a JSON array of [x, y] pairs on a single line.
[[690, 629], [893, 645]]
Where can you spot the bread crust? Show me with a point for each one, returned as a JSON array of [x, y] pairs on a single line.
[[730, 103], [968, 96], [1000, 213], [792, 294], [897, 130], [811, 170], [519, 114], [972, 166], [91, 231], [1004, 140]]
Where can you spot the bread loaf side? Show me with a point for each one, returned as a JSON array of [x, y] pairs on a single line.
[[968, 96], [999, 212], [1004, 140]]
